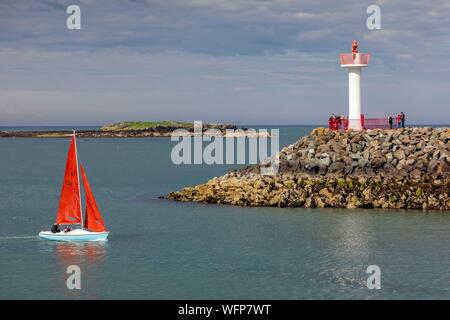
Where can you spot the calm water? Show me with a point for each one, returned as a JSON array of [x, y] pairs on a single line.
[[168, 250]]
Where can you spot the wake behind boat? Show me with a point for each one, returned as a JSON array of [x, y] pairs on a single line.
[[70, 209]]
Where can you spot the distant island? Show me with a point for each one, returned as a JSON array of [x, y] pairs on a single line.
[[145, 125], [382, 168], [130, 129]]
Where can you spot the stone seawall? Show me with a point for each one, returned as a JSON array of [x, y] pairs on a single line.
[[407, 168]]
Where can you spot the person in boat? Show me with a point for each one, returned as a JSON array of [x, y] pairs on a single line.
[[67, 229], [55, 228]]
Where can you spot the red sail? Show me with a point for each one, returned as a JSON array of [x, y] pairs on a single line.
[[69, 211], [94, 221]]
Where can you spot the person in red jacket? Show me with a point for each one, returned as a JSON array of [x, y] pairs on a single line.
[[399, 120], [332, 122], [354, 49]]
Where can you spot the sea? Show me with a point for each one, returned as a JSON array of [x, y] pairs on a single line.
[[159, 249]]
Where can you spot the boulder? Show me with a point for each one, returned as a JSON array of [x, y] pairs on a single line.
[[399, 154], [336, 167], [416, 174]]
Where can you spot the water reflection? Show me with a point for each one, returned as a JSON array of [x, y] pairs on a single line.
[[352, 235], [69, 253], [349, 253], [89, 256]]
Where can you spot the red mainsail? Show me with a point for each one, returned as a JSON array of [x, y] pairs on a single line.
[[69, 211], [94, 221]]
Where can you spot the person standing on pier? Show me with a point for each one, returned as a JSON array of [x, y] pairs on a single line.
[[402, 119], [391, 122]]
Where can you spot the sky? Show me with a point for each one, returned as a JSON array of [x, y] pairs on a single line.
[[273, 62]]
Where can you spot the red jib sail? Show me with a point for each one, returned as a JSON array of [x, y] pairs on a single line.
[[69, 211], [94, 221]]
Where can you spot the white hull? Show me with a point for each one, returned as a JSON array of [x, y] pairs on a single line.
[[75, 235]]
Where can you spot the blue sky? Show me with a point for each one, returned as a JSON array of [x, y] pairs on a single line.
[[240, 61]]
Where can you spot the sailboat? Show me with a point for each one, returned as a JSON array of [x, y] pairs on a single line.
[[70, 210]]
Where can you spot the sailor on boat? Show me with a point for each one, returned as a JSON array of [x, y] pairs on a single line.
[[55, 228]]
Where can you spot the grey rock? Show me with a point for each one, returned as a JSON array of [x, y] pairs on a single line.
[[324, 160], [336, 167]]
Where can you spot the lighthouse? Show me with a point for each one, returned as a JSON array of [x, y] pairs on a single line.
[[354, 62]]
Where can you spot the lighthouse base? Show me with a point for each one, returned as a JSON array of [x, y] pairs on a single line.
[[355, 124]]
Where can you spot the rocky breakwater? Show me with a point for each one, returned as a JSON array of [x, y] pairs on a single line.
[[402, 169]]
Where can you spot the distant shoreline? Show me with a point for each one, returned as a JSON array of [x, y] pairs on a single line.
[[137, 129]]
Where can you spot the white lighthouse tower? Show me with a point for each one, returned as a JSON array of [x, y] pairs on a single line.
[[354, 62]]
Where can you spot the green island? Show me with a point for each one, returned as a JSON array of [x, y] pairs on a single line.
[[144, 125], [124, 129]]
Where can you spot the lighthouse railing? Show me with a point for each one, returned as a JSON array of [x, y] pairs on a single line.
[[376, 123], [354, 58], [366, 123]]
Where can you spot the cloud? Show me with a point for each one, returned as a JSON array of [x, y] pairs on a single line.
[[216, 58], [219, 27]]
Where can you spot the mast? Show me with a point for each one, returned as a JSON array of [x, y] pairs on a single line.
[[78, 177]]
